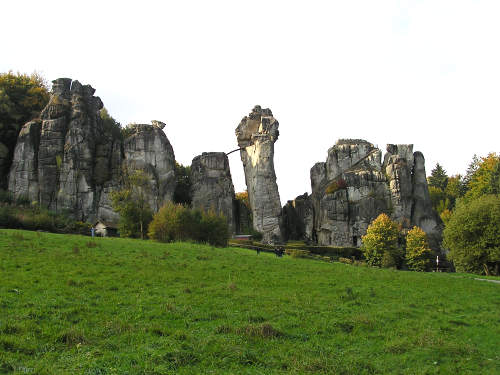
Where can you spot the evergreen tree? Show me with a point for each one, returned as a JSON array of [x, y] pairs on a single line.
[[438, 178]]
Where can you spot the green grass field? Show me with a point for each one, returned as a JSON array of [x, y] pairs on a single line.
[[69, 305]]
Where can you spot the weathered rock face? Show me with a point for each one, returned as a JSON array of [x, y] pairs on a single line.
[[212, 186], [68, 161], [348, 191], [23, 179], [423, 215], [353, 187], [298, 219], [149, 150], [256, 135], [398, 166]]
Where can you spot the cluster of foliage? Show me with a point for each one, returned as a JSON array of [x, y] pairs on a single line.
[[482, 177], [182, 193], [22, 97], [444, 191], [381, 246], [418, 253], [469, 208], [176, 222], [336, 185], [111, 127], [132, 204], [243, 197], [380, 243], [21, 214], [472, 235]]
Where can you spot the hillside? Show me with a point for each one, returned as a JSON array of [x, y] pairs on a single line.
[[70, 305]]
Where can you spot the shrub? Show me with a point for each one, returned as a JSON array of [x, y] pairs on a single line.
[[472, 235], [175, 222], [256, 235], [213, 229], [381, 238], [165, 224], [345, 260], [298, 253], [418, 252], [8, 219], [23, 201], [6, 196]]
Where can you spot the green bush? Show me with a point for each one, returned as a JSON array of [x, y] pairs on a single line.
[[175, 222], [8, 219], [298, 253], [472, 235], [6, 196], [23, 201], [256, 235]]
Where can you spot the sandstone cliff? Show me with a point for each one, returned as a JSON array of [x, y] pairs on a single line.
[[256, 135], [212, 187], [353, 187], [68, 161]]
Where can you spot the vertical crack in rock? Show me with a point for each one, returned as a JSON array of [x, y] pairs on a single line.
[[256, 135], [212, 186]]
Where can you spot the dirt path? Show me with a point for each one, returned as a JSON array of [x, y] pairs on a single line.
[[491, 281]]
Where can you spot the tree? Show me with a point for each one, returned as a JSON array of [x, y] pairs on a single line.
[[110, 125], [22, 97], [472, 235], [182, 193], [243, 197], [381, 241], [454, 189], [438, 177], [418, 253], [486, 177], [438, 199], [132, 204], [471, 169]]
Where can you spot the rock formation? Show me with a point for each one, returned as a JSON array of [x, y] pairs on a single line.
[[68, 161], [353, 187], [212, 187], [148, 149], [256, 135], [298, 219]]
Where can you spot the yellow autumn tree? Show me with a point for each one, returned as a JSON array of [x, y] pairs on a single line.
[[418, 252], [380, 244]]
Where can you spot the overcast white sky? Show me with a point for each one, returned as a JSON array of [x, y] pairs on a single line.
[[421, 72]]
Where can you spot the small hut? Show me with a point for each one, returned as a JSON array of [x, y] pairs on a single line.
[[105, 229]]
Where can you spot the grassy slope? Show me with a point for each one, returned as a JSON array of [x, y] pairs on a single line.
[[139, 307]]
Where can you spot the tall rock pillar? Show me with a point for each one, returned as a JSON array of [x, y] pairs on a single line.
[[212, 186], [256, 135]]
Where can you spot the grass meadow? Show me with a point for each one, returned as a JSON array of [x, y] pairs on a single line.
[[70, 305]]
